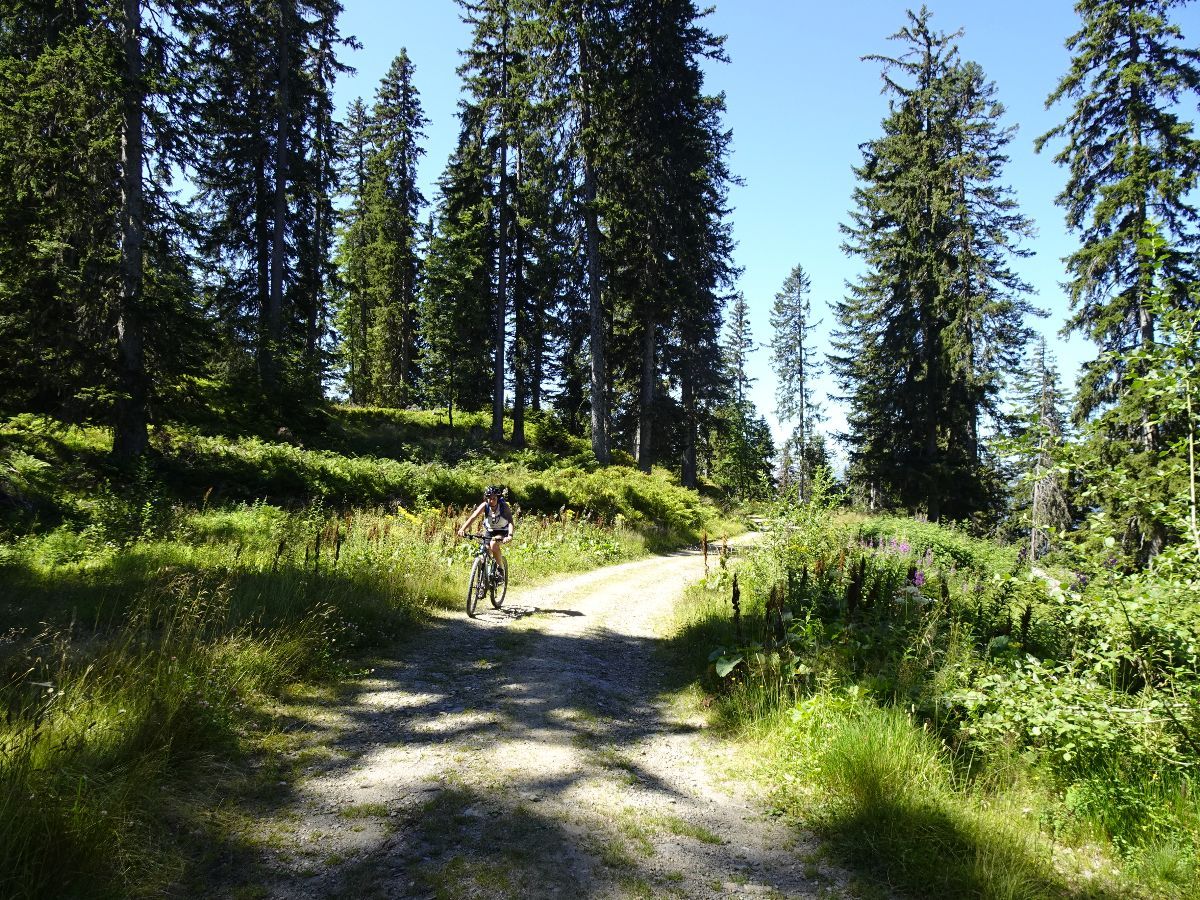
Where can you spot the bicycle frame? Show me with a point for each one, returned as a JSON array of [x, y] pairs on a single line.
[[483, 576]]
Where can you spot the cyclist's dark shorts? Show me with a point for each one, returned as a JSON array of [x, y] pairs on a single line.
[[503, 533]]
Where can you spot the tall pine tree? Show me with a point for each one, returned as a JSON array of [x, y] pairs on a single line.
[[97, 314], [928, 330], [1133, 164], [796, 367], [260, 109], [391, 231]]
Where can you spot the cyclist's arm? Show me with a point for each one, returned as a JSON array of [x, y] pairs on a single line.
[[475, 515]]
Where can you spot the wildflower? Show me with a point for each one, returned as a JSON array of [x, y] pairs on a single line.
[[918, 578]]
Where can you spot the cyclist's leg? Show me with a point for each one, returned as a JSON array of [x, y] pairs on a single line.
[[497, 553]]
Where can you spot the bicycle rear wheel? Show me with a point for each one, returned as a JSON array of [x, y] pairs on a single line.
[[477, 586], [500, 590]]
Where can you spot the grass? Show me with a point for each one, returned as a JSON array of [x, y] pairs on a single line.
[[906, 809], [683, 828], [158, 621]]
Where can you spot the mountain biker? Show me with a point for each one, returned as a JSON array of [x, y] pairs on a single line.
[[497, 522]]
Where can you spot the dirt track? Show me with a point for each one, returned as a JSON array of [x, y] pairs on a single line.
[[527, 753]]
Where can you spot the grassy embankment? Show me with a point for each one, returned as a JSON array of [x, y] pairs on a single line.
[[955, 724], [151, 618]]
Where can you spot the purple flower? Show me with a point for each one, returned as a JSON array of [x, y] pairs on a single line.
[[918, 579]]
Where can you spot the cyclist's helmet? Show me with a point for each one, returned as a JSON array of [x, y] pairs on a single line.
[[493, 491]]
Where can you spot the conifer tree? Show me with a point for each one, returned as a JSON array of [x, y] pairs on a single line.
[[457, 311], [737, 347], [262, 76], [391, 228], [1133, 163], [353, 309], [666, 203], [927, 331], [796, 368], [487, 117], [742, 450], [1037, 441], [88, 246], [741, 441]]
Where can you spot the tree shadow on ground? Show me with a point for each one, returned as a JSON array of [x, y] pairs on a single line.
[[918, 850], [489, 825]]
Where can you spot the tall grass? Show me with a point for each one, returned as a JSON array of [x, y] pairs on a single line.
[[956, 729], [159, 650], [93, 732], [149, 613]]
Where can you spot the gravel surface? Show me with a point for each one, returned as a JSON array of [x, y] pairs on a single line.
[[532, 751]]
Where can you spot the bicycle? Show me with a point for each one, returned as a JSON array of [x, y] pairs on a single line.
[[487, 576]]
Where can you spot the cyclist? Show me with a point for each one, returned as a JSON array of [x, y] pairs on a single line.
[[497, 522]]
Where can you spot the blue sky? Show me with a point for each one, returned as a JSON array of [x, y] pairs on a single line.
[[799, 102]]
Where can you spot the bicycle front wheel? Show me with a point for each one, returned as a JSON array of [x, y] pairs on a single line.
[[477, 586], [501, 589]]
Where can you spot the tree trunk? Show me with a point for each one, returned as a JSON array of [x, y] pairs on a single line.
[[279, 217], [537, 352], [520, 323], [501, 247], [130, 437], [316, 314], [596, 337], [645, 436], [688, 395], [262, 246]]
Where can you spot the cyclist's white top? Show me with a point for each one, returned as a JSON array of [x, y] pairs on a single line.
[[498, 519]]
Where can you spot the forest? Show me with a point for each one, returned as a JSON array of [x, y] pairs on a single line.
[[253, 377]]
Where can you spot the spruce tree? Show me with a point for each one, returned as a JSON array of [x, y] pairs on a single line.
[[796, 367], [457, 311], [353, 307], [737, 347], [926, 333], [392, 206], [1133, 162], [1037, 441], [262, 76], [59, 202], [88, 231], [742, 449], [666, 203]]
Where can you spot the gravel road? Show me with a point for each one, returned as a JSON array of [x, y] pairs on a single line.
[[532, 751]]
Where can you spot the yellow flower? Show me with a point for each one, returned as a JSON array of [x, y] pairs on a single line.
[[404, 512]]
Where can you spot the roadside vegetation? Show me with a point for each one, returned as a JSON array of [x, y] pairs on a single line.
[[153, 615], [957, 722]]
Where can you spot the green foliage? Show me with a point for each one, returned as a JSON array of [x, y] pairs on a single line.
[[1084, 689], [891, 801], [947, 543], [381, 246], [928, 332], [742, 451], [193, 633], [1131, 163], [165, 604]]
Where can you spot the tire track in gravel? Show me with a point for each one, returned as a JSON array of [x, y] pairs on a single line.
[[527, 753]]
